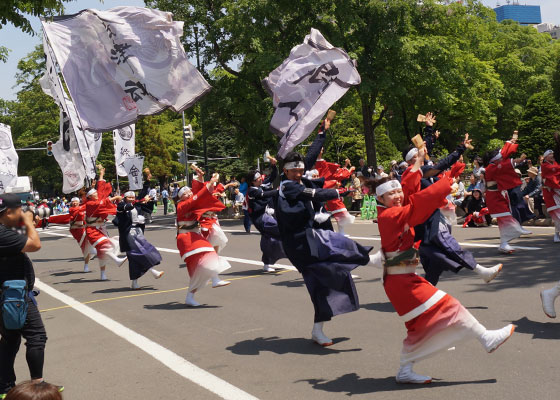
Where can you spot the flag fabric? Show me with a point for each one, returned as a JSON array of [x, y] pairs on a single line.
[[305, 86], [124, 147], [133, 167], [8, 159], [72, 136], [122, 63], [70, 162]]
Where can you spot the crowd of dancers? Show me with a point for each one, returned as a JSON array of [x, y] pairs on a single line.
[[294, 221]]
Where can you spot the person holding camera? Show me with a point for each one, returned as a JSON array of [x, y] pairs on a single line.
[[15, 266]]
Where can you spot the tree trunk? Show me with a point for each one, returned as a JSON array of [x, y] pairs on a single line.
[[405, 123], [369, 133]]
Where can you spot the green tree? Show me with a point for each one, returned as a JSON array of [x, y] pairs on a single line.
[[16, 12]]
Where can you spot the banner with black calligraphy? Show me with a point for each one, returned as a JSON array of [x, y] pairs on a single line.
[[8, 159], [122, 63], [124, 147], [133, 167], [305, 86]]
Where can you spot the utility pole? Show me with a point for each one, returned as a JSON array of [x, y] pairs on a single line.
[[185, 152]]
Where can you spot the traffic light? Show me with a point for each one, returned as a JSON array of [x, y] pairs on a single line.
[[49, 148], [181, 157], [188, 132]]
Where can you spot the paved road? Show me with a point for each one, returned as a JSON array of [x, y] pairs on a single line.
[[252, 337]]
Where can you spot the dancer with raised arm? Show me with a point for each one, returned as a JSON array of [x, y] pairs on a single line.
[[434, 320]]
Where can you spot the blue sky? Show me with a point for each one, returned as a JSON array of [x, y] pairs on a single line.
[[21, 43]]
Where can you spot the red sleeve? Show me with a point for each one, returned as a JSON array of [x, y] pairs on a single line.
[[61, 219], [457, 169], [104, 189], [197, 186], [330, 184], [508, 149], [423, 203], [219, 188], [410, 183], [341, 174]]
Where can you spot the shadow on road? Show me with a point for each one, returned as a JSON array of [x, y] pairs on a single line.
[[539, 330], [291, 283], [383, 307], [123, 289], [80, 280], [285, 346], [66, 273], [71, 259], [351, 384], [173, 305]]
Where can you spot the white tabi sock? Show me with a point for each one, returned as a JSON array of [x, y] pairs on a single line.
[[487, 274], [86, 268]]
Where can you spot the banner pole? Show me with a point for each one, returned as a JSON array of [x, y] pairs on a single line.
[[116, 166]]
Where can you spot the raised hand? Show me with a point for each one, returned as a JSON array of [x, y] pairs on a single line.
[[430, 119]]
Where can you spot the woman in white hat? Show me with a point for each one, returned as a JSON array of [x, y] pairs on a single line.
[[203, 263], [98, 208]]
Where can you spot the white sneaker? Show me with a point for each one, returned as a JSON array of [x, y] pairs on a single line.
[[525, 231], [103, 276], [491, 340], [407, 375], [135, 284], [488, 274], [557, 237], [506, 249], [217, 282], [268, 268], [319, 337], [86, 268], [547, 298], [157, 274], [190, 301]]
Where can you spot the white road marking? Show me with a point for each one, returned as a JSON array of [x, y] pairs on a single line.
[[171, 360]]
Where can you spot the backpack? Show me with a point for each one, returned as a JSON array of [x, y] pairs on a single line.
[[14, 304]]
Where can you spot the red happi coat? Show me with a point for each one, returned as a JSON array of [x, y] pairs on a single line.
[[332, 174], [97, 212], [190, 210], [76, 218], [550, 173], [503, 173], [206, 222], [396, 228]]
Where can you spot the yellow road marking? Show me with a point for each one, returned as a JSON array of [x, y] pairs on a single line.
[[155, 292], [523, 237]]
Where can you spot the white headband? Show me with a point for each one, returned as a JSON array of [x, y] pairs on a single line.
[[74, 199], [294, 164], [256, 176], [411, 154], [547, 153], [496, 157], [387, 187], [403, 164], [130, 193], [91, 192], [183, 190]]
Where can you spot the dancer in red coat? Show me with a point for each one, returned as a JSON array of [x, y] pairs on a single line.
[[203, 263], [500, 176], [434, 320], [76, 219], [98, 208]]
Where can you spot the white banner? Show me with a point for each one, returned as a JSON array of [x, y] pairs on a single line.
[[8, 159], [124, 147], [123, 62], [73, 173], [305, 86], [70, 128], [133, 167]]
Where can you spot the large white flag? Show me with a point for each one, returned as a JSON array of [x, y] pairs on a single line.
[[8, 159], [124, 147], [70, 127], [305, 86], [133, 167], [73, 172], [123, 62]]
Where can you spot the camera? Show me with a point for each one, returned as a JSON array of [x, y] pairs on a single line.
[[43, 212]]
